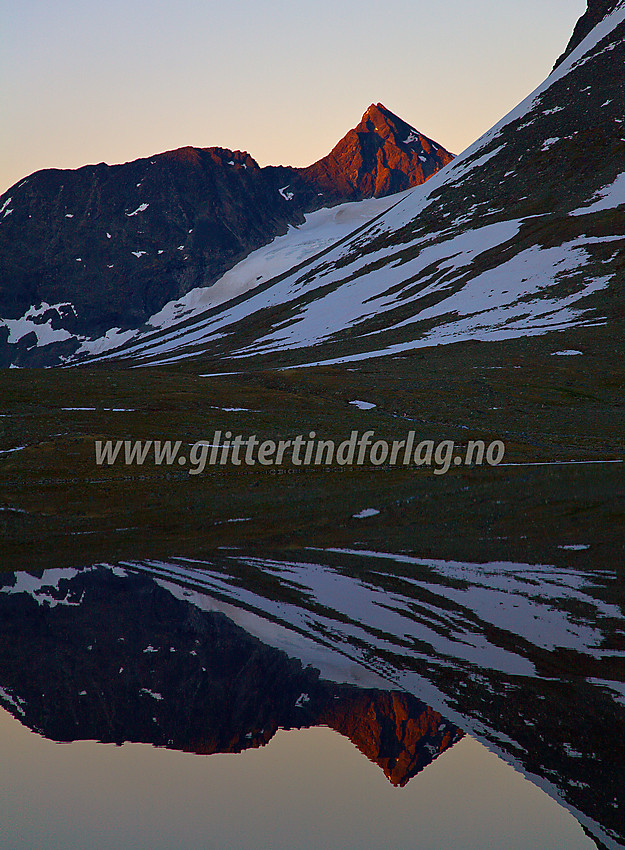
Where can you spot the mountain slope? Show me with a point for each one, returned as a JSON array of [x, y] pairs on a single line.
[[594, 14], [102, 247], [521, 234]]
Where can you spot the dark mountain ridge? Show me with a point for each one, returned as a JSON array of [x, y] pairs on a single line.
[[106, 247]]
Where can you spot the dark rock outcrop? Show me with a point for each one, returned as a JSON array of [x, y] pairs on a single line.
[[594, 14]]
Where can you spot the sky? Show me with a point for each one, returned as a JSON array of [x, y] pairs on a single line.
[[84, 82]]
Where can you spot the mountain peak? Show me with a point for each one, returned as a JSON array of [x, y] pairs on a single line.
[[379, 119], [377, 111], [147, 232], [383, 154]]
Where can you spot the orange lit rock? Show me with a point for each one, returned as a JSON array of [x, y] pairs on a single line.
[[382, 155]]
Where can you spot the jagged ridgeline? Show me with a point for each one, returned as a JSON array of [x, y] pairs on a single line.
[[83, 251], [520, 235]]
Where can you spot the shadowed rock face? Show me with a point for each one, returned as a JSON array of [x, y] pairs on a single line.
[[596, 11], [380, 156], [118, 242], [108, 246], [119, 659]]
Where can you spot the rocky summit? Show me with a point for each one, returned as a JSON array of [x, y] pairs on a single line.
[[101, 247], [380, 156]]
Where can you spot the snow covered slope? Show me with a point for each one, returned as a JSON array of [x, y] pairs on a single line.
[[521, 234], [322, 229]]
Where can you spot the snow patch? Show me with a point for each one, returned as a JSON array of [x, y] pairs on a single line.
[[10, 451], [149, 693], [548, 143], [140, 208], [4, 212], [363, 405], [606, 199], [44, 331], [33, 312], [41, 587], [14, 701], [113, 338], [367, 512]]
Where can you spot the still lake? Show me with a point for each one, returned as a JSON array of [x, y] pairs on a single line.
[[334, 699], [305, 789]]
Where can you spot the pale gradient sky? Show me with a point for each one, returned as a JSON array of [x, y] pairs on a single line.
[[82, 82]]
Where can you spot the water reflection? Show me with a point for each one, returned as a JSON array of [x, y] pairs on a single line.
[[147, 654], [307, 789], [529, 658], [113, 658]]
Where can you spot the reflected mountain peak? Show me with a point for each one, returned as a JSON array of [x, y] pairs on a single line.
[[103, 655], [186, 655]]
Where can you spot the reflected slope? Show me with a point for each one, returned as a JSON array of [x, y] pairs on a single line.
[[111, 657]]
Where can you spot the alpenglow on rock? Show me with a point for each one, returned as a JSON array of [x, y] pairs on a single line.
[[380, 156]]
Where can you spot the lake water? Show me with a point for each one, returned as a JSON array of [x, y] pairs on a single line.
[[332, 700], [305, 789]]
